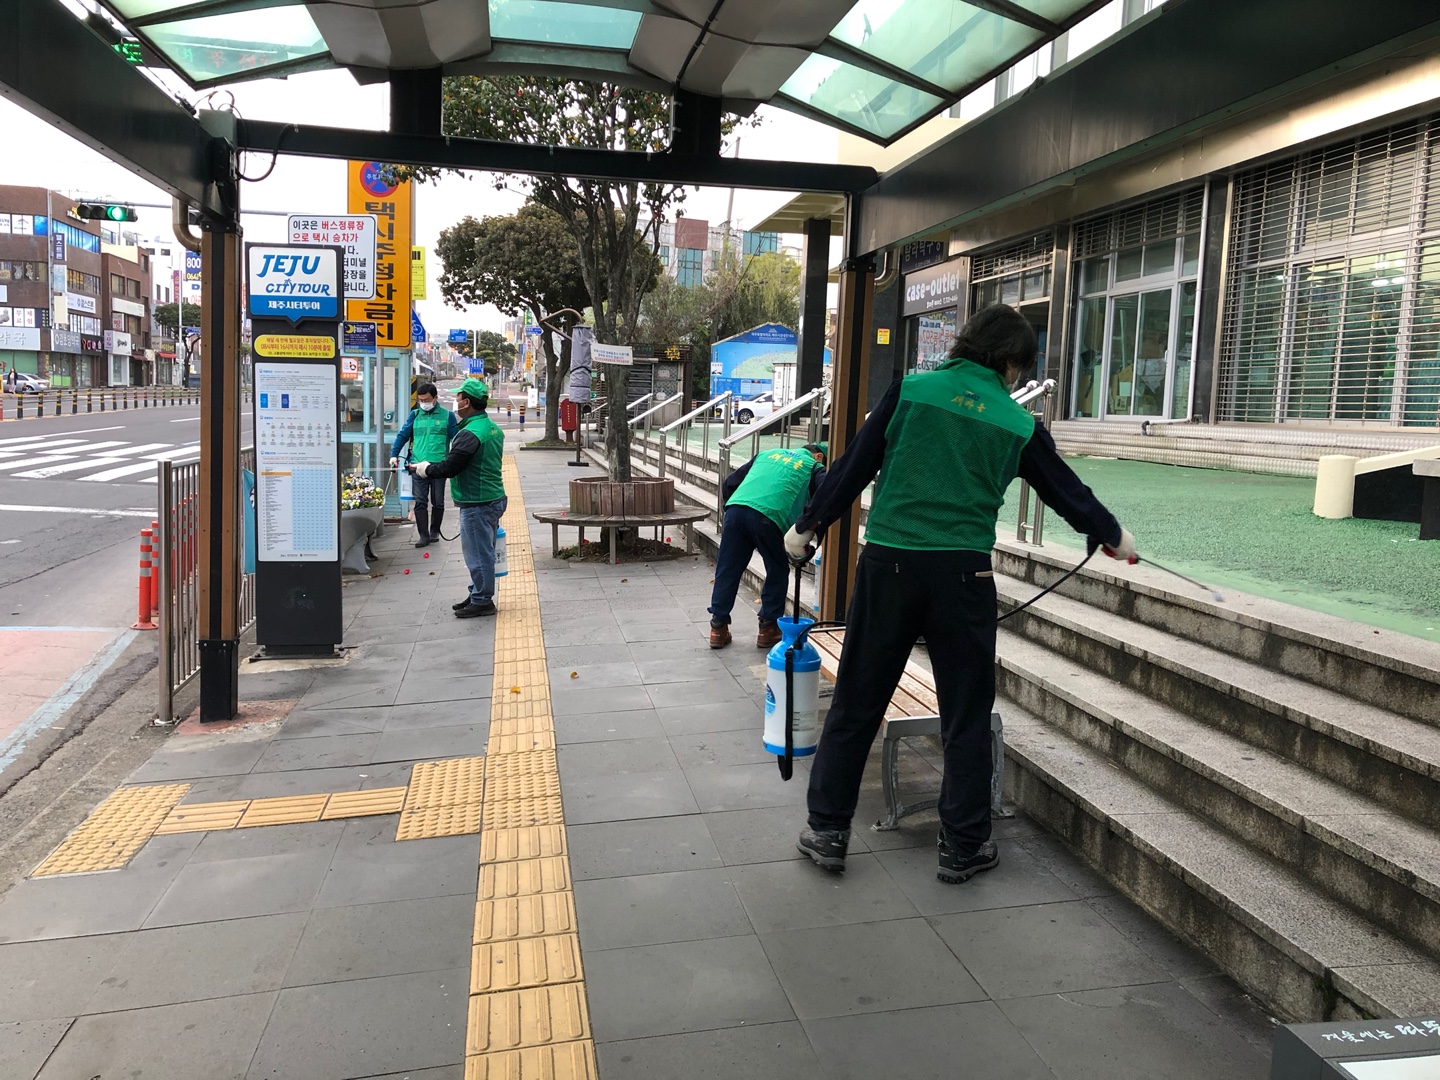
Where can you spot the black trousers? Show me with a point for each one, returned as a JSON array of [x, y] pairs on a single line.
[[949, 597], [429, 505]]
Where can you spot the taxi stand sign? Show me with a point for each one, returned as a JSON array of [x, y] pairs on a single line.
[[293, 282]]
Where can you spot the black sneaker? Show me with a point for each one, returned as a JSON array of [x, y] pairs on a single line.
[[475, 611], [825, 848], [462, 604], [955, 868]]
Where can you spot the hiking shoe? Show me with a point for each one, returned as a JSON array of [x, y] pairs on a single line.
[[768, 635], [461, 605], [719, 635], [955, 868], [475, 611], [825, 848]]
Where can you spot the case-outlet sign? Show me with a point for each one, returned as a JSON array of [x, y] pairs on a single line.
[[294, 282]]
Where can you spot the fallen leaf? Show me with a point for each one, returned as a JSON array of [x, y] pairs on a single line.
[[515, 689], [574, 674], [623, 580]]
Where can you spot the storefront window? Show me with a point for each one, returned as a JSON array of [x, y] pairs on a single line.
[[1090, 357]]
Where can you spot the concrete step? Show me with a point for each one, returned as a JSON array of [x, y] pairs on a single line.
[[1346, 844], [1393, 759], [1391, 671], [1302, 954]]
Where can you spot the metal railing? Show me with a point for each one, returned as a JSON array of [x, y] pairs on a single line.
[[645, 416], [683, 426], [177, 558], [784, 419], [1025, 529], [641, 400]]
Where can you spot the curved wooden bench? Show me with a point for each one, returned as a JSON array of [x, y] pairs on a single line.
[[684, 516]]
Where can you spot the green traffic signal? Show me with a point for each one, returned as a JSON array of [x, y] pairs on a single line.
[[105, 211]]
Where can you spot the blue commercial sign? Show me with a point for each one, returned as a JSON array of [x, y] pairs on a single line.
[[192, 266], [417, 329], [919, 254], [358, 339], [57, 246], [296, 281], [745, 364], [459, 337]]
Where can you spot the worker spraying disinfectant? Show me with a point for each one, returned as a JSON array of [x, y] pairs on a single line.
[[946, 445]]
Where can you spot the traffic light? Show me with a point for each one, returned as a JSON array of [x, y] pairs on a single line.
[[104, 212]]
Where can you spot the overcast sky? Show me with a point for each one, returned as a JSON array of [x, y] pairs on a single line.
[[39, 155]]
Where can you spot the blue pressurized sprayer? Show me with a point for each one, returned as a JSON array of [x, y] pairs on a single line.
[[792, 691]]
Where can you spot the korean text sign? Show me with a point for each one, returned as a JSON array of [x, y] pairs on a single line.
[[354, 232], [293, 282], [371, 190]]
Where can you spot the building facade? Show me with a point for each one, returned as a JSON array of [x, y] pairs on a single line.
[[690, 248]]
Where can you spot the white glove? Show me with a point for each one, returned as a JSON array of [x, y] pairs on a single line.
[[422, 468], [799, 546], [1125, 550], [394, 462]]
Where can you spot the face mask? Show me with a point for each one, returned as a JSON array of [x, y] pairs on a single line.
[[428, 406]]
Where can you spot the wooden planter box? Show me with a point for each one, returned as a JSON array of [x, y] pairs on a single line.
[[592, 495]]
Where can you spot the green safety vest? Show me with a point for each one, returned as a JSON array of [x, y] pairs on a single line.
[[480, 481], [429, 434], [777, 485], [951, 450]]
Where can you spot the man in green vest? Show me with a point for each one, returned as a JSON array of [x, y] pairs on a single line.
[[473, 465], [762, 499], [946, 445], [428, 431]]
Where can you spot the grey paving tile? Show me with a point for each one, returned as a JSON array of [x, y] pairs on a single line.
[[916, 830], [1133, 1033], [199, 961], [688, 645], [274, 685], [594, 676], [1067, 866], [322, 752], [755, 1051], [369, 940], [682, 986], [615, 756], [640, 846], [867, 967], [972, 1039], [572, 656], [799, 895], [424, 744], [436, 714], [666, 628], [322, 723], [745, 787], [160, 852], [366, 1027], [620, 912], [46, 980], [743, 746], [458, 656], [562, 634], [181, 759], [1048, 949], [445, 1072], [85, 904], [301, 782], [642, 724], [577, 701], [458, 685], [242, 888], [313, 836], [715, 716], [24, 1046], [352, 695], [1236, 1009], [701, 692], [619, 796], [1156, 942], [688, 668], [767, 834], [370, 866], [1018, 880], [214, 1039]]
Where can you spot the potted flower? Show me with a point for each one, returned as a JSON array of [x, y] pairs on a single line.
[[362, 514]]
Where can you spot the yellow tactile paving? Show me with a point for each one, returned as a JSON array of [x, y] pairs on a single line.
[[568, 1061], [518, 1018], [114, 831], [505, 789], [508, 845], [515, 917], [453, 782], [520, 743], [203, 817], [533, 763], [526, 877], [286, 810], [513, 706], [433, 821], [348, 804], [515, 965], [521, 725], [521, 671]]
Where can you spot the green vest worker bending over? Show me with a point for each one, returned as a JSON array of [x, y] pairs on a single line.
[[946, 445], [762, 499], [473, 465], [428, 431]]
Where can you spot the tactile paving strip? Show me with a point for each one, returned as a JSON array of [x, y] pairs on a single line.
[[515, 965], [513, 1019], [114, 831], [524, 916], [521, 725], [527, 703], [454, 782], [433, 821], [526, 877], [533, 763], [203, 817], [348, 804], [567, 1061], [507, 845], [504, 789], [520, 744], [287, 810]]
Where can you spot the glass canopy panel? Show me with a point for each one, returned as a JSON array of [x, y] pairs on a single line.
[[858, 97], [949, 43], [1057, 11], [241, 43], [139, 9], [555, 23]]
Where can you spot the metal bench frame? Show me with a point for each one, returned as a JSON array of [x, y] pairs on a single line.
[[906, 727]]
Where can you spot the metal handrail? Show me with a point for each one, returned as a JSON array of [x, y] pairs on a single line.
[[1033, 391], [753, 431], [1015, 394], [664, 404], [683, 440], [1036, 529], [640, 401], [758, 427], [693, 413]]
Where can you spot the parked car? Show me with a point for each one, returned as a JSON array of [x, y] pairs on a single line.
[[754, 408], [26, 383]]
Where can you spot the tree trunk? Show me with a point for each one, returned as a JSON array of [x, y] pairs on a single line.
[[617, 422]]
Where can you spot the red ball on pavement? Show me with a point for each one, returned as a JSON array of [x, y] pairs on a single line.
[[407, 570], [427, 554]]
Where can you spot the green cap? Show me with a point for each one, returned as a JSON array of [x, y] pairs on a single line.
[[474, 388], [821, 448]]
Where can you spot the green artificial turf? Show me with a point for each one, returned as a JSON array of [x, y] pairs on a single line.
[[1256, 533]]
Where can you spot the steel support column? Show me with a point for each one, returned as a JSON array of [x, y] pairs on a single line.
[[849, 384], [814, 280], [221, 525]]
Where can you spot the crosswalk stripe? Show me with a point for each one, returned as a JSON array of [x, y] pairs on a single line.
[[107, 457], [123, 470]]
